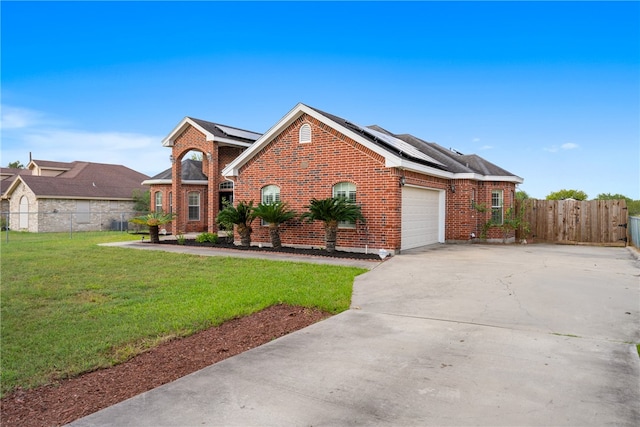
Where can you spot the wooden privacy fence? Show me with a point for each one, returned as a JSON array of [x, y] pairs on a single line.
[[595, 222]]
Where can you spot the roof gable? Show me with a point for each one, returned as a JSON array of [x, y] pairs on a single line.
[[223, 134]]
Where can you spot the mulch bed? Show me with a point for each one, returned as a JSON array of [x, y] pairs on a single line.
[[284, 249], [67, 400]]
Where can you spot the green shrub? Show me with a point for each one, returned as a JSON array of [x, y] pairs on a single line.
[[207, 237]]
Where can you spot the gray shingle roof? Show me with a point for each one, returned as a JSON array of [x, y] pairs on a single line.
[[447, 160], [225, 131], [191, 171], [356, 128]]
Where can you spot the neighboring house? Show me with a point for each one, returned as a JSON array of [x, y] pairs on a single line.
[[412, 192], [197, 197], [58, 196]]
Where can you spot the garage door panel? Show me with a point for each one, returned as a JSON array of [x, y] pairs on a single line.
[[420, 217]]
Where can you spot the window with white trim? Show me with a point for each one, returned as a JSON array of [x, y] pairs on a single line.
[[158, 201], [194, 206], [497, 204], [270, 194], [226, 185], [348, 191], [305, 134], [170, 202]]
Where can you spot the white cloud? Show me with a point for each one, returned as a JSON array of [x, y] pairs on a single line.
[[475, 140], [27, 132], [565, 146], [18, 118], [569, 146], [486, 147]]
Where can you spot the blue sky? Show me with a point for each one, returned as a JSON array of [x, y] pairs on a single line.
[[549, 91]]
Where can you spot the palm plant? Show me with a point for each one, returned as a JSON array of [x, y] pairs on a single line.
[[242, 216], [332, 211], [154, 220], [274, 214]]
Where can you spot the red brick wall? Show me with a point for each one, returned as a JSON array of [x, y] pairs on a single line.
[[464, 219], [461, 215]]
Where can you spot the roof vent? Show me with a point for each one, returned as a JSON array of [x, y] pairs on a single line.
[[455, 151], [305, 133]]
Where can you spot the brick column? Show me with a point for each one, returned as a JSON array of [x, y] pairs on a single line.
[[178, 225], [212, 188]]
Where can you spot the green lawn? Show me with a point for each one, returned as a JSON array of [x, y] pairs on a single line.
[[70, 306]]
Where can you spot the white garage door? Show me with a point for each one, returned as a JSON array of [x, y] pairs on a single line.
[[422, 217]]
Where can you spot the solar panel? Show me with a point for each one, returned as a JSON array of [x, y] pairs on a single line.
[[239, 133], [398, 144]]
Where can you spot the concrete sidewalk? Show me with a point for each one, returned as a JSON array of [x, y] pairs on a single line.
[[454, 335]]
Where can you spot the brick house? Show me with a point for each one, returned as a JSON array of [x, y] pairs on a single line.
[[197, 196], [51, 196], [412, 192]]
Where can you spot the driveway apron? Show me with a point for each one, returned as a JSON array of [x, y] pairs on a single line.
[[533, 335]]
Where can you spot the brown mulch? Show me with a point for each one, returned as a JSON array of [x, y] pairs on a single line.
[[68, 400], [317, 252]]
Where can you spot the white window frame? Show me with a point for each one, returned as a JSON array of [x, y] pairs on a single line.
[[170, 202], [190, 205], [158, 201], [304, 134], [269, 194], [497, 207], [345, 189]]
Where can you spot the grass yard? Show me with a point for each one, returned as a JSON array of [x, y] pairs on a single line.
[[70, 306]]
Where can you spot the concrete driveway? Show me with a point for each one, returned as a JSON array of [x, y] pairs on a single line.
[[450, 335]]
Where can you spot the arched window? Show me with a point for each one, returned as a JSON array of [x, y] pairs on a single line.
[[305, 133], [270, 194], [347, 190], [158, 201], [194, 206]]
